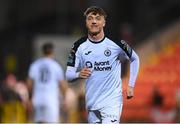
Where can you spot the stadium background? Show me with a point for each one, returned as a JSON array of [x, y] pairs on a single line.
[[152, 27]]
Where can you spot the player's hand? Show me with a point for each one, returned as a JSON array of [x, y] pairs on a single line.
[[85, 73], [130, 92]]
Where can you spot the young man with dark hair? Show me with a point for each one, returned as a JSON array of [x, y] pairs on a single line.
[[96, 59]]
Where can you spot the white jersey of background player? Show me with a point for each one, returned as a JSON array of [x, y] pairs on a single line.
[[95, 58], [45, 77]]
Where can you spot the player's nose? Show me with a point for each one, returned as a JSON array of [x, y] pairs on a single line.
[[94, 21]]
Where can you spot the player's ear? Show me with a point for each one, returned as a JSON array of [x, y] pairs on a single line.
[[104, 23]]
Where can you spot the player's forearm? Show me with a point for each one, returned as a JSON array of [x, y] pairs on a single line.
[[134, 68], [71, 73]]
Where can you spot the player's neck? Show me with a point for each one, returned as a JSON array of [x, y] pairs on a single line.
[[49, 56], [97, 37]]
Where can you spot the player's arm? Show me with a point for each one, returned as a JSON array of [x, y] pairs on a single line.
[[72, 74], [29, 85], [63, 86], [74, 62], [29, 82], [134, 68]]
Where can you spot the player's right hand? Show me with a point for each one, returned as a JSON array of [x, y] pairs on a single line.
[[130, 92], [85, 73]]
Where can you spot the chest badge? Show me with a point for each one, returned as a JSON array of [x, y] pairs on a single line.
[[107, 52]]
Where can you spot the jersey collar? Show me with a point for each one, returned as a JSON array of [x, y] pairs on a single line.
[[97, 41]]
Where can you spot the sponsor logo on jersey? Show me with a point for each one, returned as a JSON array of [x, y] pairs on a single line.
[[99, 66], [89, 64]]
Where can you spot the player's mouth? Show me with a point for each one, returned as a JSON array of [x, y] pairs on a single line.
[[94, 26]]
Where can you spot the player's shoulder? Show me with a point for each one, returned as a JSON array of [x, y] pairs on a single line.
[[56, 62], [51, 62], [38, 61], [34, 64], [117, 41], [123, 45], [80, 41]]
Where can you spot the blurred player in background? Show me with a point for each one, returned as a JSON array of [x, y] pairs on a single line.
[[95, 58], [45, 77]]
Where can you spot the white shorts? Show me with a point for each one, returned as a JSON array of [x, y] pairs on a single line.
[[46, 113], [109, 115]]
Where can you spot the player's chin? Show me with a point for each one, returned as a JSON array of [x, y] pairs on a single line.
[[94, 32]]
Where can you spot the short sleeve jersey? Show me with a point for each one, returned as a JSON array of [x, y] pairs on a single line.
[[46, 74]]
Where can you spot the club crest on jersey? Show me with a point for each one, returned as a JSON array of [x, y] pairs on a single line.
[[107, 52]]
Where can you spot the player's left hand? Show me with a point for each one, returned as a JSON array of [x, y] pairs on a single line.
[[130, 92]]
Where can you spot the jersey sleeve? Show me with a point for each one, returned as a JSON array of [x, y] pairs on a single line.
[[134, 68], [130, 54], [74, 60], [31, 72], [73, 57], [134, 62], [74, 54], [60, 73], [72, 65], [127, 50]]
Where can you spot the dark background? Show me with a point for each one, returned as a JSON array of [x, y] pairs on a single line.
[[22, 20]]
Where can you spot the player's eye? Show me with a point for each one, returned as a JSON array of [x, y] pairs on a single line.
[[89, 18], [98, 18]]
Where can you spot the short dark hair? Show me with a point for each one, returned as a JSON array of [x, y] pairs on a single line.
[[95, 10], [47, 48]]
